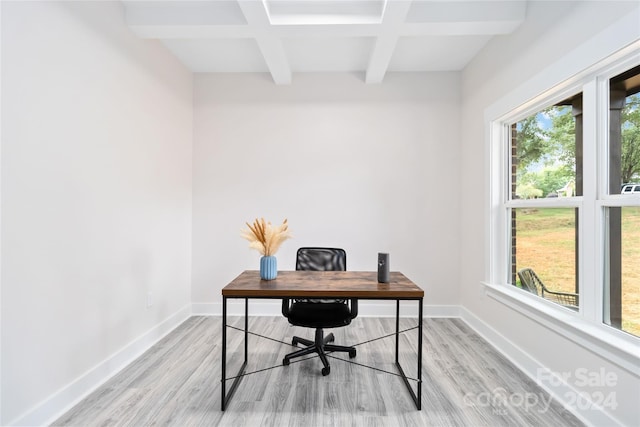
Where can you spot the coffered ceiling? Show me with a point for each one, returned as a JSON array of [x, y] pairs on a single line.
[[284, 37]]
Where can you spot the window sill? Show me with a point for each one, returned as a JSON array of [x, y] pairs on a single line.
[[616, 346]]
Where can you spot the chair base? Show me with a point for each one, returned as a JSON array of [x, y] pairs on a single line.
[[320, 345]]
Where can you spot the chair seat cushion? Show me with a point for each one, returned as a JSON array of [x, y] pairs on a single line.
[[319, 315]]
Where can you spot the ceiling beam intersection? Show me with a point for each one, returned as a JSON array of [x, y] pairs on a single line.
[[270, 46], [393, 18]]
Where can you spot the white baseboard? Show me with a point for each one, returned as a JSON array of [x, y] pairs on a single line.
[[64, 399], [554, 385], [366, 308]]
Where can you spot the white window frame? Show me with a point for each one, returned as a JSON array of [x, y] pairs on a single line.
[[585, 327]]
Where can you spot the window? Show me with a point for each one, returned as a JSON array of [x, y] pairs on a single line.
[[546, 163], [566, 198], [544, 147], [622, 218], [544, 240]]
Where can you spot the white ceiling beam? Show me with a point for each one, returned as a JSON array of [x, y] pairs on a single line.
[[224, 19], [393, 18], [270, 46], [325, 31]]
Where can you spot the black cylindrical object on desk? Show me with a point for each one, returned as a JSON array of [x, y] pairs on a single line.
[[383, 267]]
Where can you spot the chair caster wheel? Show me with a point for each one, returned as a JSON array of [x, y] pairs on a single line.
[[285, 362], [330, 338], [352, 354], [325, 371], [294, 342]]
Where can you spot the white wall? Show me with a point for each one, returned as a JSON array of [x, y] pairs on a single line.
[[369, 168], [96, 196], [507, 68]]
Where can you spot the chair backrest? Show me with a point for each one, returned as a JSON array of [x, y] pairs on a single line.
[[321, 259], [529, 281]]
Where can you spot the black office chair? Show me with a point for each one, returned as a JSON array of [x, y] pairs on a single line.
[[320, 313]]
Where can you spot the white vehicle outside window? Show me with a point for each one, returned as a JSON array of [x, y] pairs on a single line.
[[631, 189]]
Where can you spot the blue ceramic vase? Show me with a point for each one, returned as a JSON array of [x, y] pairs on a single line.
[[268, 267]]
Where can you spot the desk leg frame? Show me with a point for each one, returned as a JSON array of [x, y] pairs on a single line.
[[225, 397], [417, 397], [224, 401]]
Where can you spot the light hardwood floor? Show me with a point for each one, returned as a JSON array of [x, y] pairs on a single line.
[[466, 382]]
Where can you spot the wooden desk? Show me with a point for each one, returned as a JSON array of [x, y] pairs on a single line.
[[321, 284]]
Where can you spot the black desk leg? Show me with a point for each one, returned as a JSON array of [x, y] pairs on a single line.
[[397, 330], [223, 380], [419, 402], [224, 401], [417, 399]]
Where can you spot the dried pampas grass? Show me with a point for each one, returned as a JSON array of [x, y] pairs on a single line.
[[264, 237]]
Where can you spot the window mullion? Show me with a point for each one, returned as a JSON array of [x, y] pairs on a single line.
[[591, 273]]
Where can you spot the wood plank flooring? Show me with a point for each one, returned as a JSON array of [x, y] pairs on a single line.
[[466, 382]]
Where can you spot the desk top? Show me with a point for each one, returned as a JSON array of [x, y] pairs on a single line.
[[317, 284]]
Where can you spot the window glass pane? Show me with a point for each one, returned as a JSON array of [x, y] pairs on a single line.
[[624, 132], [546, 152], [543, 253], [622, 295]]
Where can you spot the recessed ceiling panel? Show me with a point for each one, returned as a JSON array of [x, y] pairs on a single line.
[[435, 53], [314, 12], [185, 12], [218, 55], [328, 54], [467, 11]]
